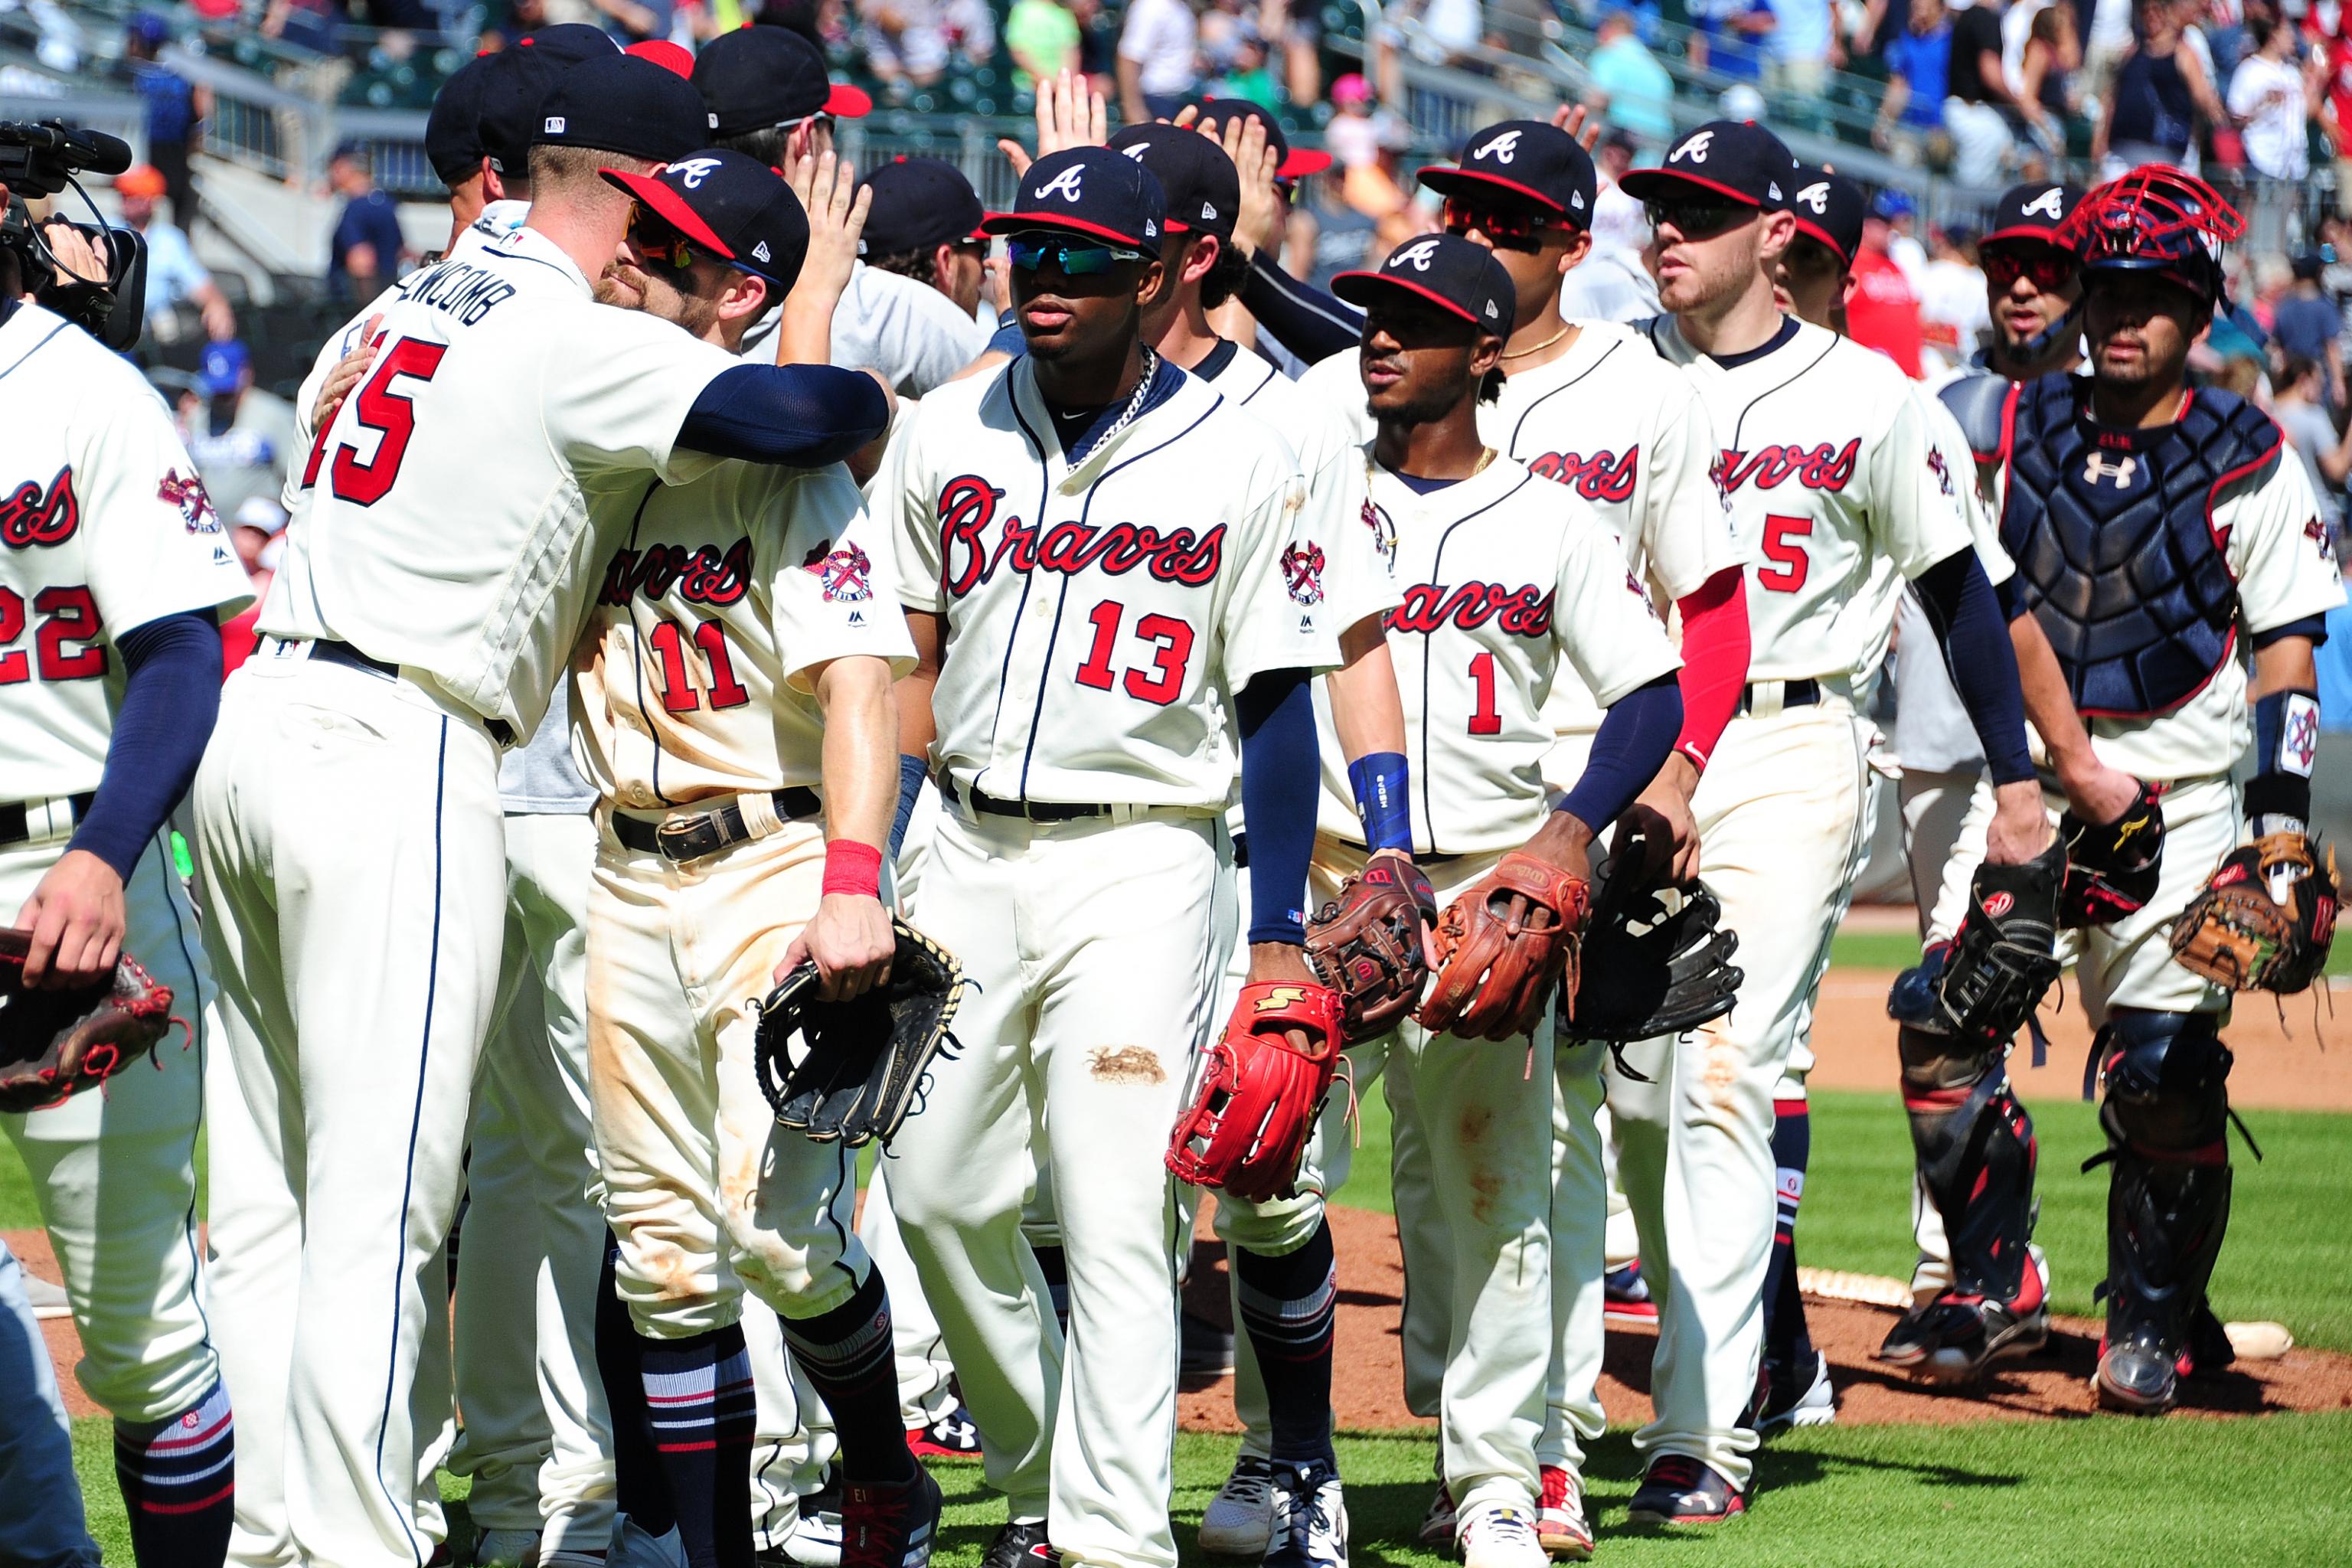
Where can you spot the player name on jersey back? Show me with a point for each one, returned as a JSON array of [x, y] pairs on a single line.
[[1097, 616]]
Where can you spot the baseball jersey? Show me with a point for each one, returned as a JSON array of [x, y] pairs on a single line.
[[910, 332], [1506, 583], [1932, 728], [1835, 488], [1100, 615], [446, 527], [104, 526], [693, 677]]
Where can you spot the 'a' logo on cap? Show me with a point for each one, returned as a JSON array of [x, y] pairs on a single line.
[[1418, 255], [1065, 184], [694, 171], [554, 126], [1136, 150], [1693, 150], [1816, 196], [2049, 204], [1502, 149]]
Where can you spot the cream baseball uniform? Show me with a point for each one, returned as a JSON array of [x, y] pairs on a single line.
[[1508, 587], [348, 823], [1098, 615], [1837, 492], [104, 526]]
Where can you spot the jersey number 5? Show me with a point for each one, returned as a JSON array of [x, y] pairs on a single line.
[[390, 414], [1784, 549]]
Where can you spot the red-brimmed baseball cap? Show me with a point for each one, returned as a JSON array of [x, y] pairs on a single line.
[[1204, 189], [1737, 159], [2031, 211], [665, 54], [733, 206], [757, 76], [1830, 208], [1525, 158], [1461, 275], [1292, 163], [1091, 191]]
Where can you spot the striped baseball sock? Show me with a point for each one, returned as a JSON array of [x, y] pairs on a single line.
[[701, 1413], [638, 1488], [1787, 1341], [179, 1480], [846, 1355], [1287, 1308]]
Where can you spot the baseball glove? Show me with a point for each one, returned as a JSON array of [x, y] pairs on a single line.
[[2111, 867], [2266, 918], [55, 1044], [1668, 966], [1983, 984], [1365, 944], [862, 1061], [1502, 945], [1259, 1095]]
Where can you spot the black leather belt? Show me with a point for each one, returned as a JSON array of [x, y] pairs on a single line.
[[349, 658], [707, 831], [1793, 694], [1035, 810], [17, 824]]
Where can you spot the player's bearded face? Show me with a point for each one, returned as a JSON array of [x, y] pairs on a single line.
[[1415, 361], [2140, 328], [1700, 255], [2031, 287]]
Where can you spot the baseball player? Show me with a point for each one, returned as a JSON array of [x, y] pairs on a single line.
[[41, 1496], [1829, 472], [350, 793], [1481, 650], [2200, 482], [114, 574], [1113, 603]]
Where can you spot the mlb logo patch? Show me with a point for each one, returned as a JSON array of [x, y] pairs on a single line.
[[554, 125]]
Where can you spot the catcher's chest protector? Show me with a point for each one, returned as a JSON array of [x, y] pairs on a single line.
[[2112, 531]]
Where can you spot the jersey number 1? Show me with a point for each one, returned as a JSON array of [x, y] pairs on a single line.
[[390, 414]]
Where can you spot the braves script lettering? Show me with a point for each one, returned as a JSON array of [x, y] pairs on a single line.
[[1604, 476], [31, 516], [1523, 612], [1815, 468], [968, 506], [702, 576]]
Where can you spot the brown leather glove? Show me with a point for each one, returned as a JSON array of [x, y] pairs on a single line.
[[1503, 944]]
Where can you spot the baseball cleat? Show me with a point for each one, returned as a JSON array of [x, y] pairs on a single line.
[[47, 1301], [1794, 1397], [1205, 1351], [1560, 1527], [815, 1539], [1625, 1297], [954, 1436], [1501, 1536], [506, 1548], [1239, 1520], [1437, 1526], [1959, 1337], [1020, 1545], [1679, 1489], [889, 1526], [1309, 1517], [635, 1546], [2139, 1376]]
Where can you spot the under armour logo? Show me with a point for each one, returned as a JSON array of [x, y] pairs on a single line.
[[2121, 470], [1065, 184], [1502, 149], [695, 170], [2050, 204], [1135, 152], [1418, 255], [1816, 196], [1694, 149]]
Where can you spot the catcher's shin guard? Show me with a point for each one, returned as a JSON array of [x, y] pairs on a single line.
[[2166, 1116], [1976, 1151]]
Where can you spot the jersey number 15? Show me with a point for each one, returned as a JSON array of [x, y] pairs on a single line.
[[390, 414]]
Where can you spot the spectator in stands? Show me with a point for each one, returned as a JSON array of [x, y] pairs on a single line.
[[1097, 47], [1918, 65], [1159, 59], [1631, 89], [174, 276], [1882, 312], [911, 41], [2052, 54], [366, 249], [637, 21], [2327, 460], [1952, 311], [1728, 36], [2273, 98], [1896, 209], [1352, 138], [1978, 97], [1803, 48], [175, 111], [2327, 23], [2161, 89], [1042, 37], [242, 438], [1620, 223], [2307, 324]]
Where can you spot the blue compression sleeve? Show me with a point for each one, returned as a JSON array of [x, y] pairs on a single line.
[[912, 770], [1383, 784], [170, 695], [799, 415], [1959, 600], [1311, 324], [1281, 774], [1636, 736]]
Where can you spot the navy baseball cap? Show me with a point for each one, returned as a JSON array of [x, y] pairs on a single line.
[[224, 368], [569, 43], [1446, 269], [1829, 208], [621, 104], [733, 206], [757, 76], [1737, 159], [2032, 211], [1292, 162], [1091, 191], [488, 110], [918, 203], [1205, 190], [1526, 158]]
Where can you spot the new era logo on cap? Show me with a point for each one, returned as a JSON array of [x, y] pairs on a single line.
[[760, 252]]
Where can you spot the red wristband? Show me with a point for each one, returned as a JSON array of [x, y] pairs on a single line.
[[852, 867]]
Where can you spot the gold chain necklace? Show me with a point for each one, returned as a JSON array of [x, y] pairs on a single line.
[[1522, 353]]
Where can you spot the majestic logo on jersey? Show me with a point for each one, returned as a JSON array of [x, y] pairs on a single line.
[[188, 495], [1822, 467], [968, 506], [1064, 184], [1502, 149], [1816, 196], [1693, 151], [1384, 538], [1525, 611], [1940, 468], [2050, 204], [1418, 255], [695, 170], [1302, 571], [1603, 476], [32, 516], [701, 576], [847, 574], [2121, 470]]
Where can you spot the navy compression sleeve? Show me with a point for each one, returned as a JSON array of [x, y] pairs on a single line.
[[1636, 737], [798, 415], [170, 695], [1969, 622], [1281, 774], [1311, 324]]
